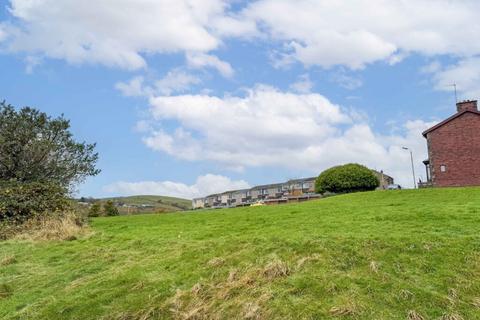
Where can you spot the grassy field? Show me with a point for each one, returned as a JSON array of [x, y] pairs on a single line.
[[412, 254]]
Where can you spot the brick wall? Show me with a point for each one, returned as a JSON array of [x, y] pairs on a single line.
[[456, 146]]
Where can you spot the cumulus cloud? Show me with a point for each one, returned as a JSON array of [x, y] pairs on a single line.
[[3, 33], [345, 80], [175, 81], [268, 127], [114, 32], [303, 84], [201, 60], [204, 185], [357, 33], [465, 74], [353, 34]]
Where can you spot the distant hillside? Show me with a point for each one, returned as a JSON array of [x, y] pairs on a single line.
[[148, 203]]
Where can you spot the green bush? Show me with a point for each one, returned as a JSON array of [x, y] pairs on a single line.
[[109, 209], [22, 201], [351, 177], [95, 210]]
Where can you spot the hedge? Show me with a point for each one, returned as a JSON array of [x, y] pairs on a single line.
[[351, 177], [22, 201]]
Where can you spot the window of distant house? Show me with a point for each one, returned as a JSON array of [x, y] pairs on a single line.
[[443, 168]]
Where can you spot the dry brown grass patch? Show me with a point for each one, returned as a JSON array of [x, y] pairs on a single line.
[[476, 302], [276, 269], [47, 228], [451, 316], [251, 310], [302, 261], [5, 291], [216, 262], [197, 287], [232, 275], [349, 309], [452, 295], [7, 260], [413, 315], [405, 294], [374, 266], [240, 294]]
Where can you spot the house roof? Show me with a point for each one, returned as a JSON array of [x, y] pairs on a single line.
[[382, 173], [302, 180], [456, 115], [268, 186]]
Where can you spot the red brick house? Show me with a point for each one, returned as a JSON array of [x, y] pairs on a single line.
[[454, 149]]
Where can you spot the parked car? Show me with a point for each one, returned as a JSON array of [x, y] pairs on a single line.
[[394, 187]]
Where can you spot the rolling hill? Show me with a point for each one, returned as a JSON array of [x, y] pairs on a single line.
[[149, 203], [410, 254]]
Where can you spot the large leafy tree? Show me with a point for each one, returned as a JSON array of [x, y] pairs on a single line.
[[37, 148]]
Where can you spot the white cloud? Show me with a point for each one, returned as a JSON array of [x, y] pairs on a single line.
[[356, 33], [31, 62], [303, 85], [3, 33], [327, 33], [465, 74], [133, 88], [268, 127], [201, 60], [175, 81], [346, 81], [204, 185], [114, 32]]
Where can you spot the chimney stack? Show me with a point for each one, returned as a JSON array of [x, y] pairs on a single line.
[[470, 105]]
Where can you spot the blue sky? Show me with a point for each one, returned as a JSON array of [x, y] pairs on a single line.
[[187, 98]]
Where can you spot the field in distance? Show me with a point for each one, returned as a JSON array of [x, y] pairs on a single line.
[[146, 204], [410, 254]]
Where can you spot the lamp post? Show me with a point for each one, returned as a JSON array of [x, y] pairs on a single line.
[[413, 168]]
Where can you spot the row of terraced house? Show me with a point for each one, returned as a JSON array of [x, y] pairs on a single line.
[[292, 190]]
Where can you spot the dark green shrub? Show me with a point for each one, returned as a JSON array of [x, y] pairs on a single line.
[[109, 209], [351, 177], [22, 201], [95, 210]]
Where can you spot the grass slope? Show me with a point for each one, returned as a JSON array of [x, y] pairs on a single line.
[[379, 255]]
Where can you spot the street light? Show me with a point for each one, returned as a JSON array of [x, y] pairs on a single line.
[[413, 168]]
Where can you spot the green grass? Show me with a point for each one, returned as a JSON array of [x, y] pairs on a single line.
[[376, 255]]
